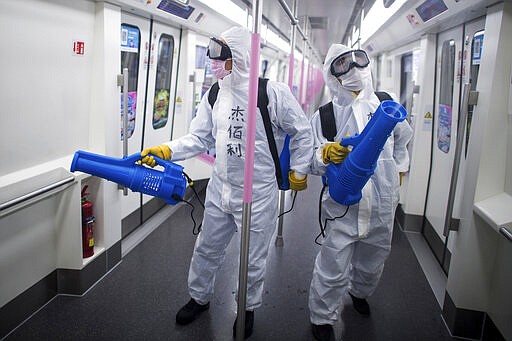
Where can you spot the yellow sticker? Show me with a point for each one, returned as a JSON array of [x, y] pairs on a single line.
[[179, 99], [428, 115], [91, 242]]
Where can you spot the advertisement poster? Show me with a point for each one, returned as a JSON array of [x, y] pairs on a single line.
[[161, 108], [132, 105], [129, 39], [477, 49], [444, 128]]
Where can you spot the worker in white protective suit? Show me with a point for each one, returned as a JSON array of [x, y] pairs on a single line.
[[356, 246], [224, 127]]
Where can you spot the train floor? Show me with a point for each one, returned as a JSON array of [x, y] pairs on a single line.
[[139, 298]]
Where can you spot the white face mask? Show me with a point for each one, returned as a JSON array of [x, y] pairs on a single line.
[[354, 79], [219, 68]]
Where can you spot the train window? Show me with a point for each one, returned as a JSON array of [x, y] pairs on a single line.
[[444, 122], [200, 57], [203, 80], [203, 64], [378, 70], [389, 68], [163, 81], [476, 55], [406, 81], [130, 52]]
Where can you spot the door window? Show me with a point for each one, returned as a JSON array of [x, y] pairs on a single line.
[[163, 81], [444, 122], [130, 52]]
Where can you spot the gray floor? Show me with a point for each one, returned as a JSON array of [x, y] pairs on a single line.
[[138, 300], [429, 264]]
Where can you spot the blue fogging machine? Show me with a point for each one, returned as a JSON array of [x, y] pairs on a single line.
[[347, 179], [169, 185]]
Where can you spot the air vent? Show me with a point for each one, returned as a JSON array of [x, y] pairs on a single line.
[[199, 18], [318, 23]]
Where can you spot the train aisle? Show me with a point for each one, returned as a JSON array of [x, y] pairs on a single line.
[[138, 299]]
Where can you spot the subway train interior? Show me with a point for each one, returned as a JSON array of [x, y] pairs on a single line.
[[87, 255]]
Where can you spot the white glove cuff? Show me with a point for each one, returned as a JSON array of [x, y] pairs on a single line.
[[299, 176]]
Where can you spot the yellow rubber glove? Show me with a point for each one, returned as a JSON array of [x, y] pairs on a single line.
[[162, 151], [297, 183], [334, 152]]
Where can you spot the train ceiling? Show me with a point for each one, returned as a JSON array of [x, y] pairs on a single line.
[[330, 20]]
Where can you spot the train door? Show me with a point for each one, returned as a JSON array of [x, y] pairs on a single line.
[[149, 51], [451, 72], [134, 49], [161, 85]]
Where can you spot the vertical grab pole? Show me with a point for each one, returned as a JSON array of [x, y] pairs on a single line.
[[308, 80], [125, 119], [192, 79], [301, 87], [293, 22], [248, 169], [279, 237], [456, 160]]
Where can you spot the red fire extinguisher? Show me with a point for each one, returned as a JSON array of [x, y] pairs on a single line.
[[87, 226]]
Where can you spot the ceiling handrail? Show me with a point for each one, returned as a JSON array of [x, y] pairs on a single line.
[[294, 21]]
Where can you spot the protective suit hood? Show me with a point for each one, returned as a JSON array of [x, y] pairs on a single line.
[[342, 96], [238, 38]]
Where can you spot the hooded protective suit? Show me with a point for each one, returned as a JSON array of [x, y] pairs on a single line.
[[224, 128], [353, 253]]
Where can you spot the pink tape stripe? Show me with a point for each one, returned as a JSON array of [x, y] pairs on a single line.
[[206, 158], [308, 85], [301, 81], [251, 120], [290, 72]]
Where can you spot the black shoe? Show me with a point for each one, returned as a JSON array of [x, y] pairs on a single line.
[[360, 305], [323, 332], [249, 323], [190, 311]]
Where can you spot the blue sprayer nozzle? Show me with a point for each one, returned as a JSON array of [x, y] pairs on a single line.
[[347, 179], [284, 161], [168, 185]]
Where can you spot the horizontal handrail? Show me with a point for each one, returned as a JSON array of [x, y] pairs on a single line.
[[505, 232], [33, 194], [288, 12]]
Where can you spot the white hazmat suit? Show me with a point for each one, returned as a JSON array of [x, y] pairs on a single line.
[[224, 128], [356, 246]]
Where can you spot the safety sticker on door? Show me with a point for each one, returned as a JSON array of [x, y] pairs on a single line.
[[444, 128]]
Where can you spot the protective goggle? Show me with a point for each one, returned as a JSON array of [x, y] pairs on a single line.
[[346, 61], [218, 50]]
